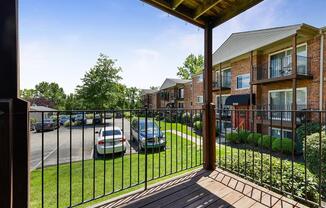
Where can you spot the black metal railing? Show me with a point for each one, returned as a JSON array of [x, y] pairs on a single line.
[[275, 115], [282, 67], [225, 83], [288, 159], [80, 156]]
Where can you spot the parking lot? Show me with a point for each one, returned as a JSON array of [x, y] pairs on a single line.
[[76, 149]]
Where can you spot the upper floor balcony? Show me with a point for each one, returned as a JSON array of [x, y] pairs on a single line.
[[223, 83], [280, 69]]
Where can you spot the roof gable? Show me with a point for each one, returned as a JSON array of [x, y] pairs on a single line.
[[241, 43], [170, 82]]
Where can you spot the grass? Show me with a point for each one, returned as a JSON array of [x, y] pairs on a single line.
[[114, 176], [178, 127]]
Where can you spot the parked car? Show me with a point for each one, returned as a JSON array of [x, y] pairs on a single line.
[[79, 118], [63, 119], [109, 140], [48, 125], [108, 115], [97, 119], [155, 137]]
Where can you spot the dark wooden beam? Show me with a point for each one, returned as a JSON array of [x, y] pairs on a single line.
[[176, 3], [209, 137], [234, 10], [9, 82], [294, 93], [205, 6], [6, 166], [18, 129], [182, 14]]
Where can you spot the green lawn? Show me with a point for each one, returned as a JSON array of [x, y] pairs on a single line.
[[177, 127], [183, 154]]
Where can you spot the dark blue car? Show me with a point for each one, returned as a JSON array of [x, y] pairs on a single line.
[[155, 137]]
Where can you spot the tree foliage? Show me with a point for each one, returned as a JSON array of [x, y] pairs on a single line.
[[192, 65], [100, 88], [46, 94]]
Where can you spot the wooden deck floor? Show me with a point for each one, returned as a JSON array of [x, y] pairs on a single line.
[[203, 189]]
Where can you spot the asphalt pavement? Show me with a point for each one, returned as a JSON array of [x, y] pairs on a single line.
[[70, 142]]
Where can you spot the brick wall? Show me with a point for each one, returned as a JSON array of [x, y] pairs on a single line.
[[197, 90], [188, 95]]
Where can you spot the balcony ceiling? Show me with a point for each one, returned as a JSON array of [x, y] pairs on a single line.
[[203, 13]]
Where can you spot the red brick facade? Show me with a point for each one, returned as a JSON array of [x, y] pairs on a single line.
[[197, 91]]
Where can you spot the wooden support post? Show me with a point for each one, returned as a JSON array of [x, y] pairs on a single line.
[[294, 91], [294, 74], [17, 133], [209, 137], [251, 118]]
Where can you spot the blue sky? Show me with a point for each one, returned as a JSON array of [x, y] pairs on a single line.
[[61, 39]]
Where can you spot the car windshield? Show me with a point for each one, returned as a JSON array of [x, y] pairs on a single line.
[[48, 120], [111, 132], [149, 126]]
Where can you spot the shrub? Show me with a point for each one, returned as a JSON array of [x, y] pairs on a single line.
[[266, 141], [285, 146], [233, 137], [243, 135], [126, 114], [314, 162], [197, 117], [272, 176], [253, 138], [186, 118], [198, 125], [301, 131], [89, 116]]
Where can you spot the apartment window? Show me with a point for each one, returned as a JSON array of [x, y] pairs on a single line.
[[180, 105], [200, 78], [282, 100], [226, 77], [280, 63], [225, 108], [223, 100], [278, 133], [243, 81], [199, 99], [181, 93]]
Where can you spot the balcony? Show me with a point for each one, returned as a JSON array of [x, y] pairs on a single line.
[[65, 163], [224, 85], [281, 115], [280, 69]]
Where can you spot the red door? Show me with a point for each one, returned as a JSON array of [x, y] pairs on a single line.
[[241, 117]]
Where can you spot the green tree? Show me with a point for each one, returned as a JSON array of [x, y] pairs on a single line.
[[100, 88], [51, 91], [192, 65], [27, 94], [72, 102], [154, 88]]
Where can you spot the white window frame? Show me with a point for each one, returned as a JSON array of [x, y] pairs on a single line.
[[200, 99], [218, 97], [279, 129], [285, 90], [243, 88], [200, 78], [280, 51]]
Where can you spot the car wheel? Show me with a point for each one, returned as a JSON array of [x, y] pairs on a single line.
[[96, 155]]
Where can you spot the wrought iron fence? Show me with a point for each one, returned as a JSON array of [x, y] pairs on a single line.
[[286, 157], [80, 156]]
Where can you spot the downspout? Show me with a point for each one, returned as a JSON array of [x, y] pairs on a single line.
[[321, 71]]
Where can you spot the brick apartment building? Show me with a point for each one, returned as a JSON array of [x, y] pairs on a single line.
[[150, 98], [258, 65], [255, 67]]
